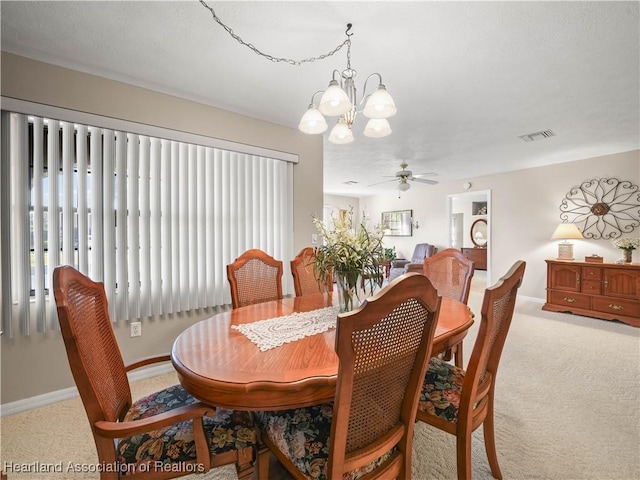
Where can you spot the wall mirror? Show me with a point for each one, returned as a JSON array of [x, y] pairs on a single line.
[[479, 233], [397, 223]]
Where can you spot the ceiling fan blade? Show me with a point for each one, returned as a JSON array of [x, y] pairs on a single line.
[[424, 180], [426, 174], [384, 181]]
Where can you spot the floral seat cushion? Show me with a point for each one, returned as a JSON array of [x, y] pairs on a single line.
[[441, 389], [226, 430], [302, 435]]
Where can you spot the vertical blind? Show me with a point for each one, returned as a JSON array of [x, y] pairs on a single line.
[[156, 220]]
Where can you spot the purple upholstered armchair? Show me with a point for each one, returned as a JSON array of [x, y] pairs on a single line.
[[422, 251]]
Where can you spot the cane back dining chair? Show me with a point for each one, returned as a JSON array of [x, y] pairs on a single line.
[[459, 401], [304, 279], [451, 273], [254, 277], [164, 435], [383, 347]]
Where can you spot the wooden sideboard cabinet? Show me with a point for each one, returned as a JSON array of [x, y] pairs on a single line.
[[603, 290], [478, 256]]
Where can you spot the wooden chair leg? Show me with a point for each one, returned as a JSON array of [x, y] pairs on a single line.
[[454, 351], [463, 452], [263, 460], [459, 359], [244, 464], [490, 441]]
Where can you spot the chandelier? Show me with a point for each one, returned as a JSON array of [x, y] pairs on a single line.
[[340, 100]]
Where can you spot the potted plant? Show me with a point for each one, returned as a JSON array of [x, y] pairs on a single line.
[[390, 254]]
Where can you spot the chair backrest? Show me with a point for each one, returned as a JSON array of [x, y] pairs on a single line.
[[304, 279], [254, 277], [93, 353], [497, 311], [422, 251], [451, 273], [383, 348]]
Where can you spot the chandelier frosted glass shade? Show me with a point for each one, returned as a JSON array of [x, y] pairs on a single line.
[[334, 101], [404, 186], [312, 122], [377, 128], [341, 133], [380, 104]]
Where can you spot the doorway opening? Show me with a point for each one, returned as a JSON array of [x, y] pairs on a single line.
[[463, 211]]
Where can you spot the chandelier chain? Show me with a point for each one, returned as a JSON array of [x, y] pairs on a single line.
[[271, 57]]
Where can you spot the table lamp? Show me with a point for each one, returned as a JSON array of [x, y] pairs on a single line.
[[566, 231]]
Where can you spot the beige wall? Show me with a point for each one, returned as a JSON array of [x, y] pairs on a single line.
[[37, 364], [525, 212]]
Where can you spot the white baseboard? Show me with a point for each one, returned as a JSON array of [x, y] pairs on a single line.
[[71, 392], [532, 299]]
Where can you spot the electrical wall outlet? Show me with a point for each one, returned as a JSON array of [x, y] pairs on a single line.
[[136, 329]]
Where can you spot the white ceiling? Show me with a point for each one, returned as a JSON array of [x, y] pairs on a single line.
[[468, 78]]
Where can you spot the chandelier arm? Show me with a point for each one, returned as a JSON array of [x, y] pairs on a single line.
[[365, 96], [296, 63], [314, 96]]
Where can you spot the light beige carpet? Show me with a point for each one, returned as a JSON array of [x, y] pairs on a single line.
[[567, 407]]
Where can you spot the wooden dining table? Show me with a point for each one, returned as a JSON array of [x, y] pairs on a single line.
[[221, 367]]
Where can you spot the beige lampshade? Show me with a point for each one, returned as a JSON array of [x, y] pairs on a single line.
[[566, 231]]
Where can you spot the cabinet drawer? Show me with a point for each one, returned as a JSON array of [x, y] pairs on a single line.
[[619, 306], [592, 287], [592, 273], [569, 299]]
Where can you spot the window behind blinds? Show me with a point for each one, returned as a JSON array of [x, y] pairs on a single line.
[[157, 220]]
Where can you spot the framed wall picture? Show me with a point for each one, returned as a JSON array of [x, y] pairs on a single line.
[[478, 208], [397, 223]]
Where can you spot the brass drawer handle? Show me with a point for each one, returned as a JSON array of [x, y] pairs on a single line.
[[570, 300], [616, 307]]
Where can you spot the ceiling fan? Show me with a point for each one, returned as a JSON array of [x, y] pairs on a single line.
[[404, 176]]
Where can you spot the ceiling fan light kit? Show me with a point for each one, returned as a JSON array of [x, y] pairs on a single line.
[[340, 99], [404, 176]]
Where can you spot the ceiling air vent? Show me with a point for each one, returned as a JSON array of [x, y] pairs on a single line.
[[530, 137]]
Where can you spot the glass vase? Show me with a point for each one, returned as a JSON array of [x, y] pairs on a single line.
[[347, 289], [627, 254]]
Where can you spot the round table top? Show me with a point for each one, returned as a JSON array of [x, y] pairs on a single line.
[[220, 366]]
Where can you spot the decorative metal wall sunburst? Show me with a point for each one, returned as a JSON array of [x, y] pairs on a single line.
[[603, 207]]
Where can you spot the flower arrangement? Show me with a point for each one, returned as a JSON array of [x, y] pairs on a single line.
[[352, 254], [626, 243]]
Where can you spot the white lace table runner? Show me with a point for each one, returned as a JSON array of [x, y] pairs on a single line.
[[273, 332]]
